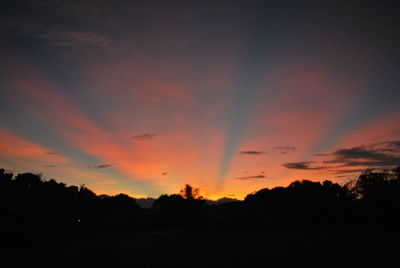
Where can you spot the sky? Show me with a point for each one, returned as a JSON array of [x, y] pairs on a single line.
[[141, 97]]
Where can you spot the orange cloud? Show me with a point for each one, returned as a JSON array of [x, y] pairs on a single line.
[[22, 151]]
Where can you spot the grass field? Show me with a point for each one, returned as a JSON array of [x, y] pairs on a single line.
[[213, 248]]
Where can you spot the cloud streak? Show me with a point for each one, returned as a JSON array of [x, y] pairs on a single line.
[[100, 166], [251, 177], [347, 171], [285, 149], [252, 152], [144, 137], [305, 165]]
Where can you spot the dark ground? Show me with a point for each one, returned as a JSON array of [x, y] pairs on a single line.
[[207, 248]]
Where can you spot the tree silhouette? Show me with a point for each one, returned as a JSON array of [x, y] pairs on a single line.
[[187, 209], [188, 192], [30, 201], [377, 195]]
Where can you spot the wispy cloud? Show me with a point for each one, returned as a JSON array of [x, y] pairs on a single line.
[[144, 137], [305, 165], [285, 149], [100, 166], [347, 171], [252, 152], [56, 22], [252, 177]]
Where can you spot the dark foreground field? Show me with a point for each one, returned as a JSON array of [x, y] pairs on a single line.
[[46, 223], [208, 248]]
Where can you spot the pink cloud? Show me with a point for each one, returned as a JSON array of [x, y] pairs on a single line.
[[24, 153], [385, 128]]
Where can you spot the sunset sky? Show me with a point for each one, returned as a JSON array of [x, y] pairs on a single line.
[[141, 97]]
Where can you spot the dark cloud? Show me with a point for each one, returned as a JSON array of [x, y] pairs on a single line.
[[387, 146], [384, 154], [394, 143], [50, 166], [285, 149], [66, 25], [100, 166], [144, 137], [252, 152], [306, 165], [251, 177], [378, 155], [164, 173], [347, 171], [358, 153]]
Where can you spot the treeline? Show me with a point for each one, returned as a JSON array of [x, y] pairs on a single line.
[[373, 199]]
